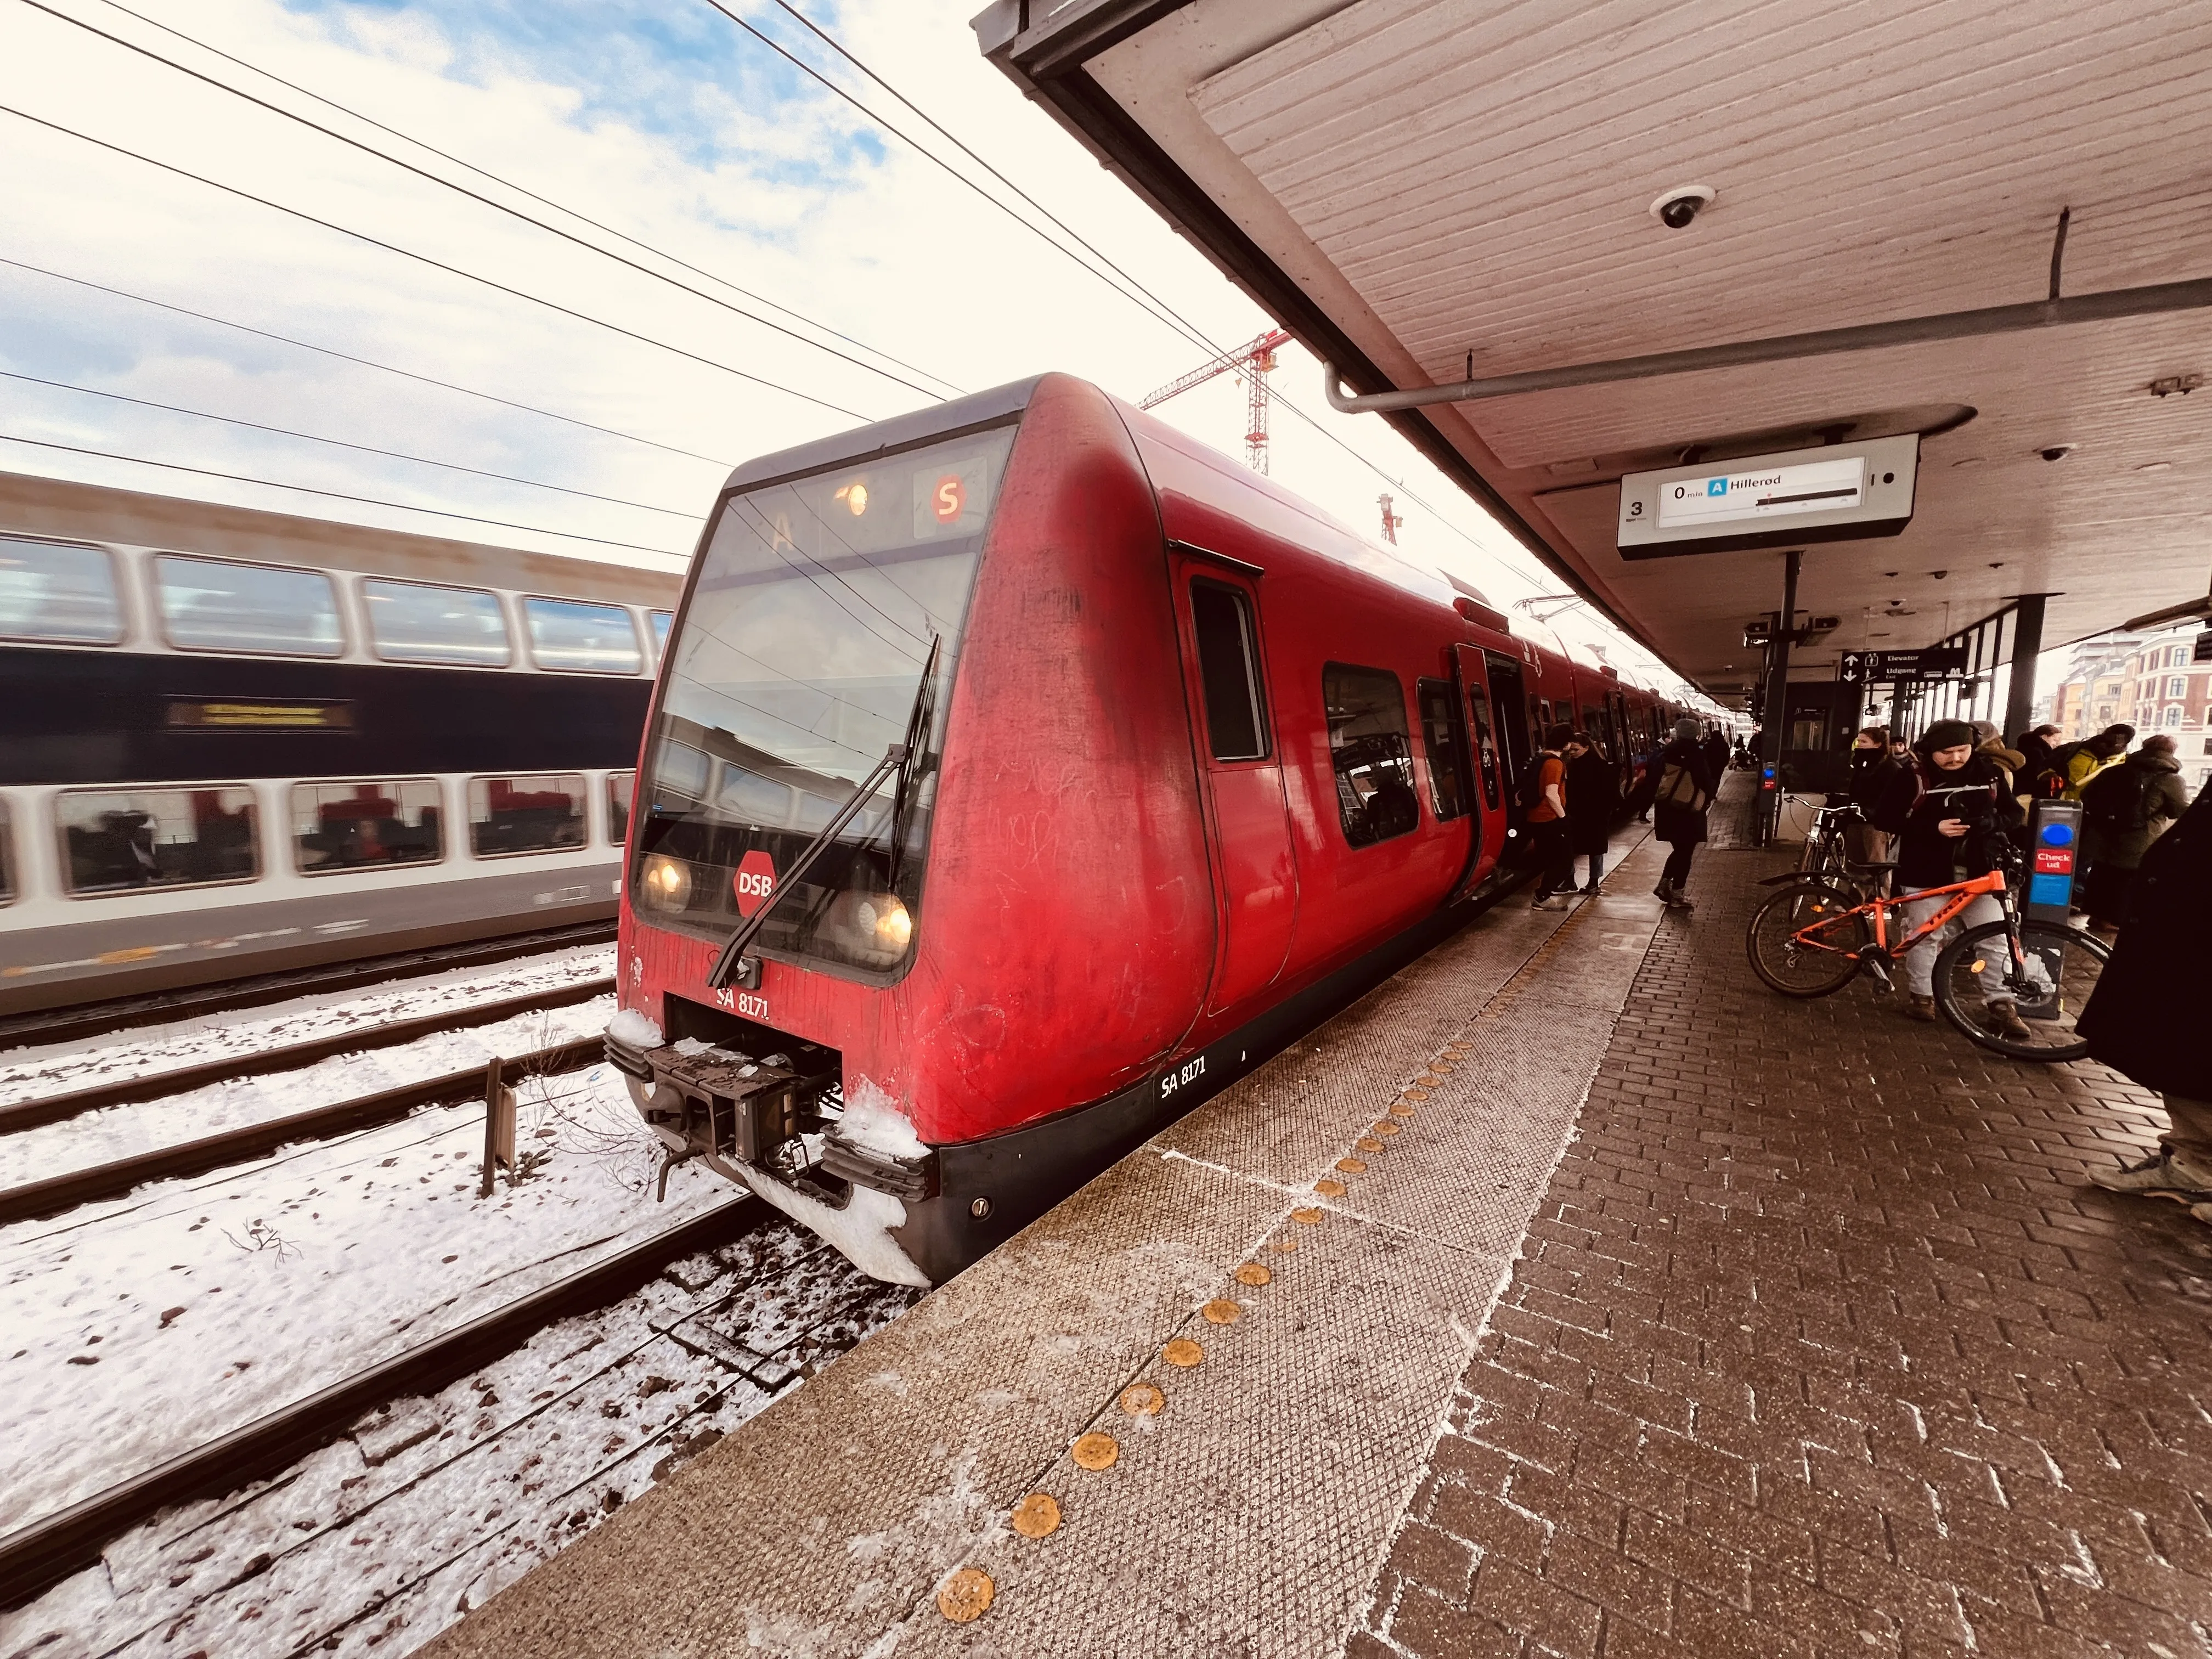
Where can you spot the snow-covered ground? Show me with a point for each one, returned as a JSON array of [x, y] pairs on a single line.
[[374, 1545], [31, 1074], [140, 1328], [118, 1131]]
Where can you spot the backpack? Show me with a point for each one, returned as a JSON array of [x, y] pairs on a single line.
[[1532, 781], [2114, 800], [2050, 780], [1678, 786]]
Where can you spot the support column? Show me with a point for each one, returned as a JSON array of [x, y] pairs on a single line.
[[1777, 702], [2026, 647]]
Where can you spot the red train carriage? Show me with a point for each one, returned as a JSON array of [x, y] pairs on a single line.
[[1057, 770]]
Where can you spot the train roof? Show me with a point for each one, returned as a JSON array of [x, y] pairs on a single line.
[[62, 510]]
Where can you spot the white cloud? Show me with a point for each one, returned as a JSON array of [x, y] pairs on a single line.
[[671, 125]]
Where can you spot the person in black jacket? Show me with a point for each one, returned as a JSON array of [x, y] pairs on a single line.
[[1593, 803], [1871, 767], [2146, 1018], [1687, 783], [1949, 811]]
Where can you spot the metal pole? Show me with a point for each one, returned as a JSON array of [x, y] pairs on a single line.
[[2026, 647], [1778, 703], [499, 1123]]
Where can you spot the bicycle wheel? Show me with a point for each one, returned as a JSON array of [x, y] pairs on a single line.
[[1804, 941], [2025, 1008]]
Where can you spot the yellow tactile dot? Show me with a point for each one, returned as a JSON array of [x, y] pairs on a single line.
[[1401, 1108], [1351, 1166], [1285, 1245], [1417, 1093], [1461, 1047], [1222, 1312], [1142, 1400], [966, 1596], [1095, 1450], [1183, 1352], [1369, 1144], [1428, 1081], [1037, 1515], [1328, 1188], [1309, 1217], [1385, 1128], [1441, 1065], [1253, 1274]]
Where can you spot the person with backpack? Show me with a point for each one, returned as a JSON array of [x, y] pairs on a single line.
[[1593, 802], [2146, 1018], [1544, 792], [1950, 810], [2124, 809], [2035, 749], [2073, 765], [1687, 784]]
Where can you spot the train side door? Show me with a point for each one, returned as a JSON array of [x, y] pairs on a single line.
[[1493, 784], [1511, 701], [1256, 876]]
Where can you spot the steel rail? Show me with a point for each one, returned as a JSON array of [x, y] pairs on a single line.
[[134, 1090], [35, 1558], [91, 1019], [66, 1191]]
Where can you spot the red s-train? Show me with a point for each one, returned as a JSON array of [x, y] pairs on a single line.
[[1191, 764]]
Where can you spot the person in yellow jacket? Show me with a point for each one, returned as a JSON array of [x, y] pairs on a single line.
[[2083, 761]]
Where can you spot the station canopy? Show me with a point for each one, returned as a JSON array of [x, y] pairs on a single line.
[[1428, 192]]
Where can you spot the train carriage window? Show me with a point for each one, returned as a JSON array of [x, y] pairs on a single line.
[[119, 840], [580, 638], [55, 591], [1370, 748], [621, 788], [1229, 668], [1447, 788], [543, 814], [660, 622], [420, 622], [1486, 760], [211, 604], [366, 826], [7, 857]]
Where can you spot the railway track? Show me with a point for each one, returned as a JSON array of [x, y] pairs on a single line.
[[35, 1558], [54, 1108], [81, 1021]]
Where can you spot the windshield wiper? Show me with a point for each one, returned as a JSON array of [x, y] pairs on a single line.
[[898, 758]]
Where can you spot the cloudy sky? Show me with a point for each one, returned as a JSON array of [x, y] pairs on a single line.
[[852, 276]]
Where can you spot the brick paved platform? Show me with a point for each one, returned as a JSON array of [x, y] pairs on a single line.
[[1820, 1343], [1672, 1318]]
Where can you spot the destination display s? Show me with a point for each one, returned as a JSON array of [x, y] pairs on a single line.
[[1835, 493]]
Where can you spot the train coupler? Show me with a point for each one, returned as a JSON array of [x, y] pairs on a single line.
[[910, 1179]]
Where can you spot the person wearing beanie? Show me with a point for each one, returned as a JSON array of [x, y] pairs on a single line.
[[1687, 783], [1949, 808], [1548, 822]]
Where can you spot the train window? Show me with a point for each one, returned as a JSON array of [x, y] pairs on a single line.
[[1447, 788], [621, 786], [210, 604], [366, 826], [1371, 751], [55, 591], [544, 814], [583, 639], [660, 621], [1229, 668], [418, 622], [118, 840], [7, 857], [1486, 743]]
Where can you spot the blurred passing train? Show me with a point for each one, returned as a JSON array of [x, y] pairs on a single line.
[[233, 741], [1191, 763]]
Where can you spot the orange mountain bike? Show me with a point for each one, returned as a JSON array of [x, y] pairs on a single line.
[[1992, 983]]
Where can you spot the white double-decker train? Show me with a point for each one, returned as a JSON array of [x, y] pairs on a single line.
[[233, 741]]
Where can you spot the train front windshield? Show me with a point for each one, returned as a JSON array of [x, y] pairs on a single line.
[[798, 664]]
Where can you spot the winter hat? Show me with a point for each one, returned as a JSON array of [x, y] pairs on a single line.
[[1686, 731], [1946, 734]]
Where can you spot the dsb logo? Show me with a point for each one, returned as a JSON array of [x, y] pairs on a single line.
[[754, 883]]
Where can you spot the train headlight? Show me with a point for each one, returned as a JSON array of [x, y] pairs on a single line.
[[870, 930], [666, 883], [884, 915]]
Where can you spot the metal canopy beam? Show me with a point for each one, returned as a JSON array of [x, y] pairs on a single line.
[[2192, 296]]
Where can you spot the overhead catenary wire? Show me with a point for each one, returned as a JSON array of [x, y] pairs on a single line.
[[523, 189], [365, 362], [477, 196], [335, 495], [424, 259], [1159, 309], [340, 443]]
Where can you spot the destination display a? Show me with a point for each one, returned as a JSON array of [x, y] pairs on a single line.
[[1933, 662], [1837, 493]]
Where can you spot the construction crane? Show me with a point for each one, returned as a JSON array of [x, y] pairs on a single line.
[[1391, 517], [1252, 361]]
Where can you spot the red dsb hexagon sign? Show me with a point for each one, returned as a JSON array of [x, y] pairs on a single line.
[[754, 882]]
